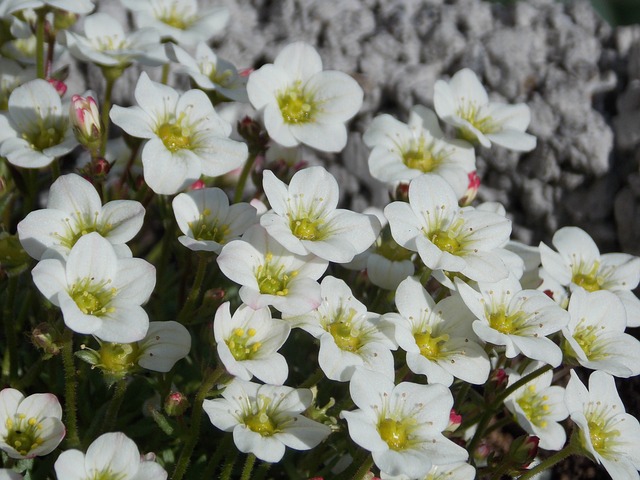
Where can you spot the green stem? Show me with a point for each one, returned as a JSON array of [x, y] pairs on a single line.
[[214, 461], [10, 331], [55, 169], [114, 406], [70, 404], [194, 294], [196, 420], [40, 22], [166, 68], [363, 469], [228, 466], [237, 197], [106, 106], [313, 379], [550, 462], [248, 467]]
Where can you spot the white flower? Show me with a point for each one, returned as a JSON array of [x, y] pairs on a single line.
[[518, 319], [538, 407], [30, 426], [98, 293], [12, 75], [271, 275], [578, 263], [164, 344], [74, 209], [305, 219], [349, 335], [607, 433], [6, 474], [401, 425], [595, 334], [302, 103], [402, 151], [179, 20], [448, 237], [464, 103], [265, 419], [106, 44], [453, 471], [207, 220], [110, 456], [210, 72], [80, 7], [248, 343], [36, 126], [438, 337], [185, 137]]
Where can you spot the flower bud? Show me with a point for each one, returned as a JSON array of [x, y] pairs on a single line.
[[523, 450], [176, 404], [401, 192], [59, 85], [472, 190], [455, 421], [197, 185], [85, 120], [47, 339], [100, 167]]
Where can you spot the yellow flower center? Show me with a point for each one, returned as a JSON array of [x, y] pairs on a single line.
[[240, 345], [430, 347], [534, 406], [472, 113], [207, 229], [421, 156], [260, 422], [445, 242], [46, 137], [345, 335], [296, 105], [306, 229], [173, 137], [394, 433], [82, 224], [118, 359], [272, 279], [92, 298], [23, 433], [586, 277], [504, 323]]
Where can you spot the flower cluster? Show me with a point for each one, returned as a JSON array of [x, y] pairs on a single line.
[[186, 270]]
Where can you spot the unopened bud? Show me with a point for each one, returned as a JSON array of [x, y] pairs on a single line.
[[455, 421], [523, 450], [100, 167], [472, 190], [59, 85], [176, 404], [401, 193], [85, 120], [63, 20], [197, 185], [47, 339]]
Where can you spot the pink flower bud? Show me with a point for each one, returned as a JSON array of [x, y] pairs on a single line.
[[59, 85], [197, 185], [454, 421], [472, 190], [85, 119]]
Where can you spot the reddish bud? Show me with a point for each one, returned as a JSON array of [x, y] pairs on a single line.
[[59, 85], [197, 185], [454, 421], [176, 404], [472, 190]]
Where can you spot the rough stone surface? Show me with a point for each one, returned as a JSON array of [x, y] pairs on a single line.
[[580, 77]]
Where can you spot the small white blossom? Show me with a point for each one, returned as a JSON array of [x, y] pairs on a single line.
[[12, 75], [270, 274], [36, 126], [80, 7], [164, 344], [74, 209], [453, 471], [208, 221], [538, 407], [301, 103], [248, 343], [305, 219], [401, 425], [609, 434], [516, 318], [265, 419], [402, 151], [438, 338], [578, 263], [463, 102], [184, 136], [98, 293], [30, 426], [110, 456]]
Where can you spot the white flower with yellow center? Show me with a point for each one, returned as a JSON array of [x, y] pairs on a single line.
[[265, 419], [184, 136], [519, 319], [210, 72], [35, 130], [454, 471], [595, 334], [538, 407], [463, 102], [248, 343], [349, 335], [105, 43], [607, 433], [179, 20], [208, 221], [401, 425], [111, 456], [30, 426], [81, 7], [98, 293], [402, 151], [302, 103], [447, 237], [578, 263], [438, 338], [270, 274], [74, 209], [304, 217]]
